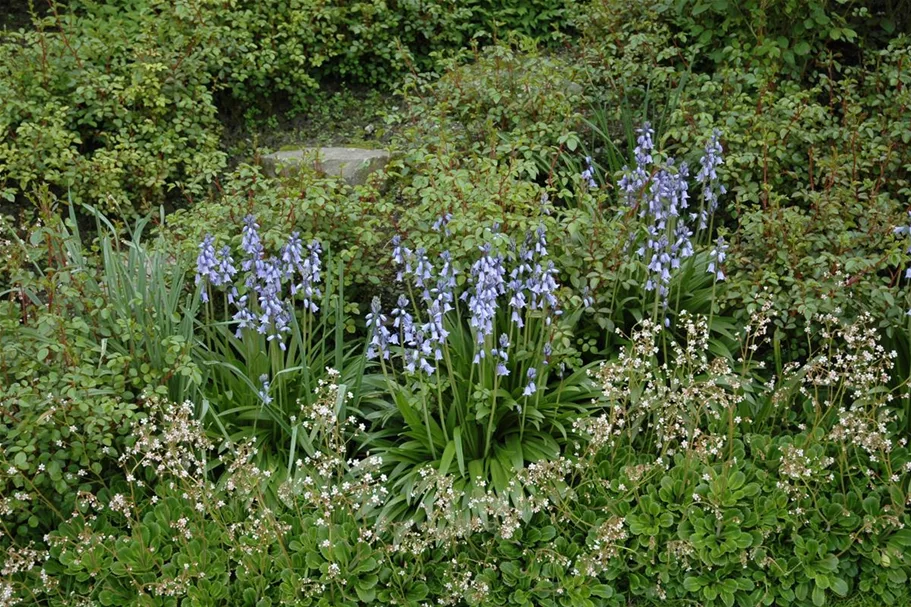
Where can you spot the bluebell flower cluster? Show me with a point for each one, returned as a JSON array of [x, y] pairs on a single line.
[[403, 321], [418, 357], [708, 178], [668, 238], [302, 271], [633, 181], [487, 280], [425, 340], [587, 300], [380, 336], [419, 328], [263, 392], [546, 207], [216, 269], [906, 230], [659, 194], [263, 305]]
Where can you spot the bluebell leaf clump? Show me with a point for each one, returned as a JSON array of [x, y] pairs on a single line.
[[261, 302], [471, 365]]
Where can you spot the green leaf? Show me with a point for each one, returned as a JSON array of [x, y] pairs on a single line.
[[460, 454], [446, 459], [603, 591], [840, 587], [498, 475], [693, 584], [366, 595]]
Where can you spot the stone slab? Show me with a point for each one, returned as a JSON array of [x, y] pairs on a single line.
[[353, 165]]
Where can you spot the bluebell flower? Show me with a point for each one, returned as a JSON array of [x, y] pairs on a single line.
[[244, 318], [207, 265], [310, 275], [587, 300], [530, 388], [644, 144], [501, 353], [226, 270], [633, 182], [543, 286], [304, 272], [668, 238], [401, 258], [540, 242], [444, 291], [906, 230], [435, 329], [252, 246], [588, 175], [442, 222], [292, 254], [717, 257], [380, 337], [275, 316], [423, 273], [518, 283], [416, 359], [264, 390], [545, 203], [517, 300], [402, 321]]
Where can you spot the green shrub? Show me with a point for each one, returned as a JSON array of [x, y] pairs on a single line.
[[276, 47], [785, 32], [114, 107], [473, 370], [504, 102]]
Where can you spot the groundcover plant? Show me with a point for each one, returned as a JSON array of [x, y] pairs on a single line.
[[625, 320]]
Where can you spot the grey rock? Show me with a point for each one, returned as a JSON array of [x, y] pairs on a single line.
[[353, 165]]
